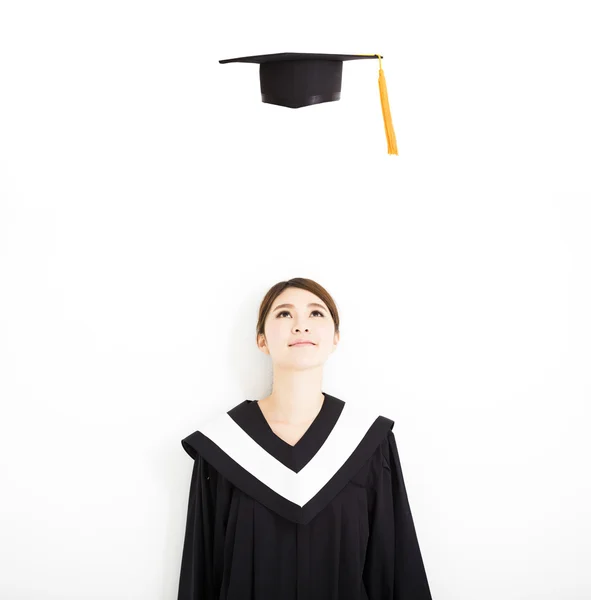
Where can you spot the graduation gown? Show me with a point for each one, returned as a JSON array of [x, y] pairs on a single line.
[[326, 519]]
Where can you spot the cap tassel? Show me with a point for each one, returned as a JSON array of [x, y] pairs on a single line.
[[389, 128]]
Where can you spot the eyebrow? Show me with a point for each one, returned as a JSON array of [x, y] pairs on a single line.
[[292, 306]]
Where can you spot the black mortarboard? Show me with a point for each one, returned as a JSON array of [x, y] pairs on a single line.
[[296, 79]]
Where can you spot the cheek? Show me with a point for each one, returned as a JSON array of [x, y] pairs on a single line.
[[277, 332], [326, 334]]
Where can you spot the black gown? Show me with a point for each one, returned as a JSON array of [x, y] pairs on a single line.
[[326, 519]]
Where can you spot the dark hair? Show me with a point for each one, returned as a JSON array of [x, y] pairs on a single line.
[[297, 282]]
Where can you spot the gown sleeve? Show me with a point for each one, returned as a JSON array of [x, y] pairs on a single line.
[[394, 568], [196, 577]]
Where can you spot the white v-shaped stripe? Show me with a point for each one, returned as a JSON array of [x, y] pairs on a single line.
[[350, 428]]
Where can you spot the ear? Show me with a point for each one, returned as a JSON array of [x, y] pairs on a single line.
[[262, 343], [337, 339]]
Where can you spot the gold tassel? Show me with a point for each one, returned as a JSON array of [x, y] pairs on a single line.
[[389, 128]]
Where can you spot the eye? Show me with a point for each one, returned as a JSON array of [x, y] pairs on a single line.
[[287, 313]]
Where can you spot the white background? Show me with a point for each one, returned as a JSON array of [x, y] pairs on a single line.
[[148, 200]]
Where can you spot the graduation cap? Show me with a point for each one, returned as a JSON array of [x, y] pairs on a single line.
[[297, 79]]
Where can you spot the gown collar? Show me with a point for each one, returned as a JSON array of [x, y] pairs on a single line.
[[250, 418], [294, 481]]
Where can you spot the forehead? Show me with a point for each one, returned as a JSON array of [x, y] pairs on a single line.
[[297, 297]]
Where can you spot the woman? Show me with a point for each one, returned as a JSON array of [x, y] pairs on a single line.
[[300, 495]]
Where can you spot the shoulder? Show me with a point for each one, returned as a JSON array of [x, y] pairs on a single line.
[[191, 441], [378, 459], [382, 454]]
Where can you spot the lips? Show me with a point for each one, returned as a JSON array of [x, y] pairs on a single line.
[[303, 344]]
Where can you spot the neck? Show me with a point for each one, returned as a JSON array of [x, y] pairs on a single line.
[[297, 396]]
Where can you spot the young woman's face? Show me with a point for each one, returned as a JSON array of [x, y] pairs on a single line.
[[306, 317]]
